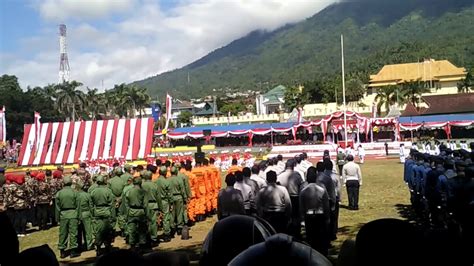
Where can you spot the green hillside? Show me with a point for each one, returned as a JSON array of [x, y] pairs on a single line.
[[376, 32]]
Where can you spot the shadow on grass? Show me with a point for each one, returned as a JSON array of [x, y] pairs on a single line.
[[193, 252], [407, 212], [343, 233]]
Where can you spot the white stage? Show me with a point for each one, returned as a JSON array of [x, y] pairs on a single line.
[[371, 149]]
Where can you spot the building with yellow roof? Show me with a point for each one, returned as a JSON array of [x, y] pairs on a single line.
[[440, 75]]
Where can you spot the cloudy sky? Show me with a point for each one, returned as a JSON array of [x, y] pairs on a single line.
[[115, 41]]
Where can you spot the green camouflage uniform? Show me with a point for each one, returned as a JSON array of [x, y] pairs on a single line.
[[116, 184], [123, 210], [67, 213], [85, 214], [43, 201], [177, 190], [164, 191], [187, 194], [102, 213], [154, 203], [136, 204]]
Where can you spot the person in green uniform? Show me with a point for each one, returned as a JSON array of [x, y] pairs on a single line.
[[164, 191], [116, 184], [177, 211], [84, 203], [135, 199], [67, 215], [103, 214], [93, 185], [127, 173], [122, 222], [187, 192], [154, 204]]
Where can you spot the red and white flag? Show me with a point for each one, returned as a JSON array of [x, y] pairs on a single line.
[[3, 126], [37, 130], [169, 103], [300, 114]]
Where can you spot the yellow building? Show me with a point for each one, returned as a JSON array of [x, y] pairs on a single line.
[[442, 76]]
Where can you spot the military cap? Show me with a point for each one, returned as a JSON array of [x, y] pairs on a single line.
[[163, 170], [127, 167], [67, 180], [118, 171], [174, 170], [137, 181], [146, 175], [100, 179]]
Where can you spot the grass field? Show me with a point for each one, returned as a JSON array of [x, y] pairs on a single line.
[[383, 195]]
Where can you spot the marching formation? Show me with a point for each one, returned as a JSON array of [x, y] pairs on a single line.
[[131, 201], [292, 195], [135, 201], [442, 187]]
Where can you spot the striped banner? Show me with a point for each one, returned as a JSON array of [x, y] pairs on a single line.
[[72, 142]]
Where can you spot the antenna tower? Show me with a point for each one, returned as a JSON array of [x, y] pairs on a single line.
[[63, 61]]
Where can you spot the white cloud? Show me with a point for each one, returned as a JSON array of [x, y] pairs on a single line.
[[146, 40], [58, 10]]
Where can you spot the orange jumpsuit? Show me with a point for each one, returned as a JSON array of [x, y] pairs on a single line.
[[209, 182], [200, 177], [216, 185], [192, 205]]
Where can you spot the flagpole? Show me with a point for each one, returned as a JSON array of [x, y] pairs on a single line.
[[344, 90]]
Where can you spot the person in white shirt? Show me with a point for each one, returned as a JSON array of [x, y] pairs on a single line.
[[304, 161], [352, 178], [280, 164], [300, 168], [260, 181], [361, 153], [402, 153], [249, 198], [464, 145], [414, 146]]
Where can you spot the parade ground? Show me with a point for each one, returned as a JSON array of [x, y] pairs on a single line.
[[383, 195]]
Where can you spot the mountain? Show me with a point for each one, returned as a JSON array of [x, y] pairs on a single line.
[[376, 32]]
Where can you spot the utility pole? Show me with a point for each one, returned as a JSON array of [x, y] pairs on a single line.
[[344, 90]]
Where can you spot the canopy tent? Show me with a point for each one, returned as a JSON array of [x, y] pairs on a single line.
[[436, 121], [355, 120], [72, 142]]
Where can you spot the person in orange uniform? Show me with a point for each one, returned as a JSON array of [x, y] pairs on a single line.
[[209, 182], [200, 207], [192, 204], [234, 167], [217, 182]]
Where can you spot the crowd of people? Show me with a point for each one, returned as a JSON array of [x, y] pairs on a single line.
[[134, 201], [441, 186], [128, 201], [293, 195]]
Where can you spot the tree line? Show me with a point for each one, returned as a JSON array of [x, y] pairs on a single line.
[[66, 102]]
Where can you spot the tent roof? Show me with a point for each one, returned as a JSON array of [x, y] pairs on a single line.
[[436, 118], [232, 127]]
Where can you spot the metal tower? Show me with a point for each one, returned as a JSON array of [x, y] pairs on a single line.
[[63, 61]]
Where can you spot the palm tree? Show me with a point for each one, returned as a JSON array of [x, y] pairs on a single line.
[[414, 90], [95, 103], [141, 98], [385, 97], [69, 99]]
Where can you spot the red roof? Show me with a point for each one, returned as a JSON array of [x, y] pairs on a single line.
[[443, 104]]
